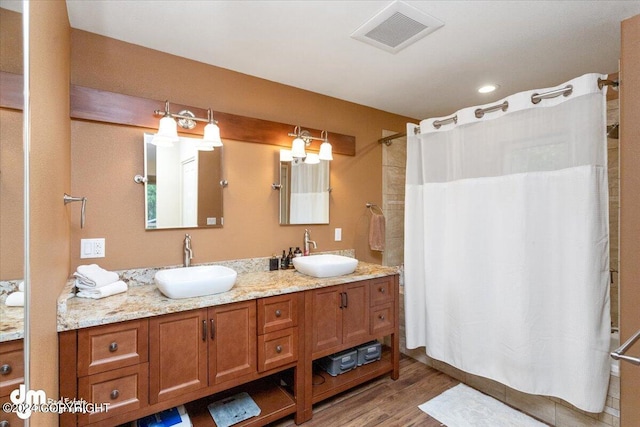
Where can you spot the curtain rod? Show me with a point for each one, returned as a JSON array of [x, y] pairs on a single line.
[[387, 139], [479, 113]]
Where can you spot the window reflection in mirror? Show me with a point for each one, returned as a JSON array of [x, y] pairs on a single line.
[[304, 193], [183, 187]]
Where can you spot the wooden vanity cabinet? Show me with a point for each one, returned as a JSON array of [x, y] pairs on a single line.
[[200, 348], [340, 316], [178, 346], [11, 376], [106, 364], [343, 317], [277, 331], [232, 344], [265, 347]]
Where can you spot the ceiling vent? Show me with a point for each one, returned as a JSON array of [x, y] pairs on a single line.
[[396, 27]]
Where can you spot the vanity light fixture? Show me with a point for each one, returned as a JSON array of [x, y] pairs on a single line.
[[168, 129], [303, 139], [325, 148], [211, 137]]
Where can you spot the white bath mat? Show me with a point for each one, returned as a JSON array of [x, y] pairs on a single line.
[[462, 406]]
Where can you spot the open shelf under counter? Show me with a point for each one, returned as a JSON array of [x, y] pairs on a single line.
[[273, 400], [331, 386]]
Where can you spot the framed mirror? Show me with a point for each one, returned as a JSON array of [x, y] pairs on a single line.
[[304, 192], [183, 187]]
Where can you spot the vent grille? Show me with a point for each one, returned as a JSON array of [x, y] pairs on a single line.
[[396, 30], [396, 27]]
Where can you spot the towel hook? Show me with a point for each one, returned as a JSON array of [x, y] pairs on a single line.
[[68, 199]]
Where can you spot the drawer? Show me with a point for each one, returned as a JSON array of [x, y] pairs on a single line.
[[10, 419], [382, 290], [124, 390], [276, 313], [103, 348], [11, 366], [277, 349], [382, 319]]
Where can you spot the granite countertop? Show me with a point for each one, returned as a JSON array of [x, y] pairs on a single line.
[[11, 322], [143, 299]]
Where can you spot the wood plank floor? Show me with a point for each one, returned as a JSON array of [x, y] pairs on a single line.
[[383, 402]]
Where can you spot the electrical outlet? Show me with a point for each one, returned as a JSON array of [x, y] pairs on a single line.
[[92, 248]]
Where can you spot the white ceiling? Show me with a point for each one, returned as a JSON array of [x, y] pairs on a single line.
[[519, 45]]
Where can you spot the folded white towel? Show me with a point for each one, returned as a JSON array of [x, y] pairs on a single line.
[[103, 291], [21, 286], [15, 299], [95, 276]]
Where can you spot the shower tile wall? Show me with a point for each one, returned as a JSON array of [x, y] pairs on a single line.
[[394, 160]]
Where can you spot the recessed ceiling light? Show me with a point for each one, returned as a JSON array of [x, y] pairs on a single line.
[[488, 88]]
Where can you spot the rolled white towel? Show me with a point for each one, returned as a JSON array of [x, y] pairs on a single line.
[[21, 286], [15, 299], [103, 291], [94, 276]]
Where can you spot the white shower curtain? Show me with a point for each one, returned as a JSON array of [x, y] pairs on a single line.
[[507, 243], [309, 193]]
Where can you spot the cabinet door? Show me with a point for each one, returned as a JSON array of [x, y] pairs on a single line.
[[11, 366], [327, 318], [177, 354], [355, 314], [232, 341]]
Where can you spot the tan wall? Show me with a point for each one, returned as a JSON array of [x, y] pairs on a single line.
[[11, 196], [49, 179], [629, 215], [106, 157], [11, 156]]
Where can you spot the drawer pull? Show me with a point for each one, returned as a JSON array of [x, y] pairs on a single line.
[[381, 317], [114, 394], [381, 290], [278, 313], [279, 349], [5, 370], [5, 423], [113, 347]]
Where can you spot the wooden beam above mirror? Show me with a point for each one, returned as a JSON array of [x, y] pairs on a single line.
[[111, 107]]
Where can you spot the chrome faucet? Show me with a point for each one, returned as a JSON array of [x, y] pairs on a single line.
[[307, 235], [188, 252]]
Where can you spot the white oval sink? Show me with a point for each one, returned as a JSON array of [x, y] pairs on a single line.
[[325, 265], [187, 282]]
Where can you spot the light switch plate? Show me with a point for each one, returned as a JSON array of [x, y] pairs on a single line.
[[338, 235], [92, 248]]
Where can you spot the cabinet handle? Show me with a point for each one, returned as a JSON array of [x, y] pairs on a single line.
[[204, 330], [278, 313], [5, 423], [279, 349], [346, 300], [381, 317], [381, 290], [113, 347], [5, 369], [213, 329], [114, 394], [341, 300]]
